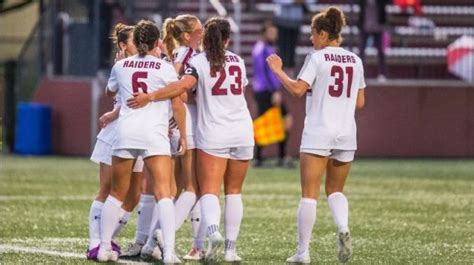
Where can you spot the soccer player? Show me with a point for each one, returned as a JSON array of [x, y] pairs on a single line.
[[333, 80], [224, 133], [142, 132], [102, 154], [182, 39]]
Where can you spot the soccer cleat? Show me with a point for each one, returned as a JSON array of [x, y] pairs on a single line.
[[231, 256], [170, 258], [300, 258], [195, 254], [104, 255], [133, 250], [344, 246], [92, 253], [116, 248], [215, 245], [149, 253]]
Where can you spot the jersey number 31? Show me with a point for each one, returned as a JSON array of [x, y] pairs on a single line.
[[337, 72]]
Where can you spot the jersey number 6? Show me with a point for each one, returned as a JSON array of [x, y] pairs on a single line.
[[235, 88], [139, 84], [336, 89]]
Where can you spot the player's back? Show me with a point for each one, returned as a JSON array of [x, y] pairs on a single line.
[[331, 102], [223, 116], [142, 74]]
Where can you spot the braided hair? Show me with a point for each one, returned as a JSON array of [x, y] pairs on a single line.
[[145, 36]]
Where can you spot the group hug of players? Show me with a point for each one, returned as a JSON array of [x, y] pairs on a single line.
[[181, 128]]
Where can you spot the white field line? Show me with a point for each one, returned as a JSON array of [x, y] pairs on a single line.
[[19, 249]]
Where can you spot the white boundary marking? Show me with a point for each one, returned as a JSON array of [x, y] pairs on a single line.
[[19, 249]]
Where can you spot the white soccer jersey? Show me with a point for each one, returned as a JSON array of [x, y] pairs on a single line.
[[182, 54], [146, 127], [335, 75], [223, 118], [107, 134]]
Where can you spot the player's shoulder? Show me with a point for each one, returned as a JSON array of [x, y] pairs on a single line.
[[198, 59], [233, 57], [181, 52]]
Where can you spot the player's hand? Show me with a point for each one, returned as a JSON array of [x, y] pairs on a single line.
[[275, 63], [105, 119], [182, 146], [120, 55], [139, 100]]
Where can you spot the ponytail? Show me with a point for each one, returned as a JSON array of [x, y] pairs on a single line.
[[216, 34]]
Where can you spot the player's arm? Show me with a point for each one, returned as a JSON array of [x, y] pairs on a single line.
[[360, 103], [296, 87], [172, 90], [109, 117], [179, 114], [110, 93], [178, 67]]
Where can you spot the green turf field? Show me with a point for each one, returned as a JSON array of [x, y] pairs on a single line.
[[401, 212]]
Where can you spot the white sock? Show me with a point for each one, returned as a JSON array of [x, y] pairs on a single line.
[[233, 213], [339, 206], [183, 206], [154, 225], [110, 217], [199, 233], [145, 214], [306, 220], [94, 223], [166, 208], [121, 224], [211, 212]]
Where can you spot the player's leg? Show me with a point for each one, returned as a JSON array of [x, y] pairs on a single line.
[[234, 209], [312, 170], [337, 172], [160, 168], [95, 212], [122, 165], [210, 169], [131, 200], [186, 199]]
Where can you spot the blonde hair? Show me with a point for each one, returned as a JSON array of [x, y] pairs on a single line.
[[120, 34], [173, 28]]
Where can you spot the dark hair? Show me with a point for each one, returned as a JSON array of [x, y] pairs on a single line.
[[216, 33], [120, 34], [173, 29], [145, 35], [265, 26], [331, 21]]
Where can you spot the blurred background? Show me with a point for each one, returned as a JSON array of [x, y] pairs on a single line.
[[55, 57]]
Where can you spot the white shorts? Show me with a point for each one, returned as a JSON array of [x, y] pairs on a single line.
[[339, 155], [135, 153], [234, 153], [102, 153], [174, 143], [138, 167], [190, 142]]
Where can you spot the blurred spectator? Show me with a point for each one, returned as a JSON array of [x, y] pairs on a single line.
[[266, 88], [289, 16], [372, 22]]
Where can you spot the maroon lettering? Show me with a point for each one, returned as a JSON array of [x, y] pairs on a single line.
[[326, 57]]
